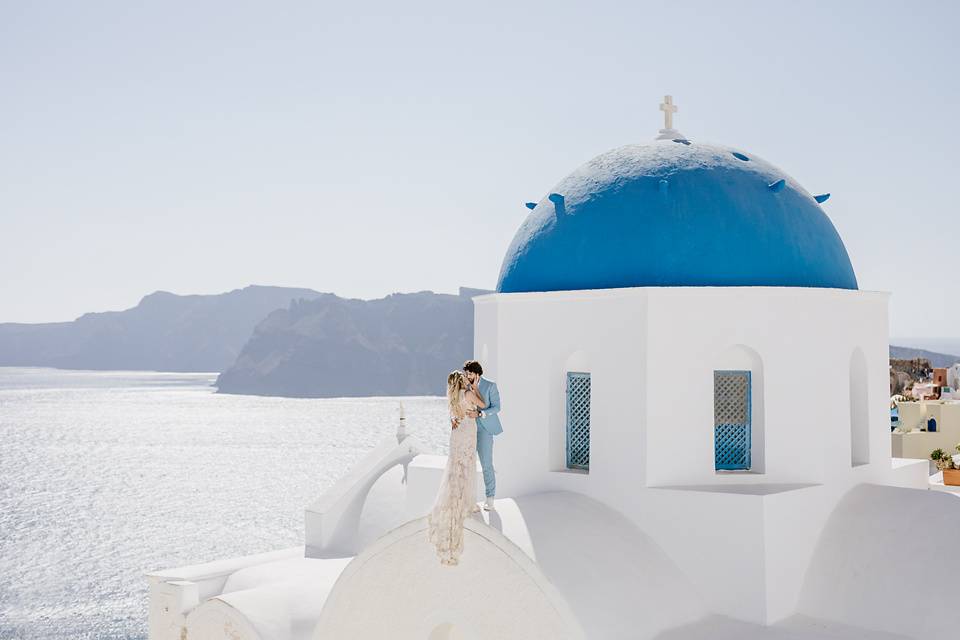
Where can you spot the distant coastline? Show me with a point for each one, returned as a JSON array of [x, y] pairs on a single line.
[[266, 341], [288, 342]]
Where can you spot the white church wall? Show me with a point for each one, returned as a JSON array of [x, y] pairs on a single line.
[[880, 563], [803, 338], [873, 340], [532, 341], [859, 409], [744, 538], [618, 582], [792, 521], [716, 540], [652, 399], [745, 547], [909, 474]]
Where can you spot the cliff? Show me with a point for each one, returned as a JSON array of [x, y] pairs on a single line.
[[164, 332], [403, 344]]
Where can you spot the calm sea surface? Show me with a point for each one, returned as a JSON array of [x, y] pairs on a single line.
[[106, 475]]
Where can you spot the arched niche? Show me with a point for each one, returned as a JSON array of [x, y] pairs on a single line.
[[859, 409], [740, 357], [578, 361]]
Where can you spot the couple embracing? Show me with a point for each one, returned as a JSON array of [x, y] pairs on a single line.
[[474, 404]]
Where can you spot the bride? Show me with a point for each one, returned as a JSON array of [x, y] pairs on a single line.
[[456, 497]]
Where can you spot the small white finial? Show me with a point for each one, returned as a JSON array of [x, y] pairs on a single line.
[[668, 108], [402, 425]]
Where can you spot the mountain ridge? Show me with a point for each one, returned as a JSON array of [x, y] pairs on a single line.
[[163, 332], [285, 341], [936, 359], [402, 344]]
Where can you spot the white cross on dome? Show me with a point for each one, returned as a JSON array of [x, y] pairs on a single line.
[[668, 108]]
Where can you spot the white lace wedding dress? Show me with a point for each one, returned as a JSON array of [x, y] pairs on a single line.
[[457, 495]]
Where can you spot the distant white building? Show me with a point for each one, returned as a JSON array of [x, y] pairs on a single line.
[[662, 319], [953, 376]]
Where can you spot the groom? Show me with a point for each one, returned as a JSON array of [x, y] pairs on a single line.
[[488, 425]]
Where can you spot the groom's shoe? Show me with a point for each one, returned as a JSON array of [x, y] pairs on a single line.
[[488, 505]]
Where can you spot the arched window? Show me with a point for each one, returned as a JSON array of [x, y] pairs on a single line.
[[738, 416], [731, 420], [578, 420]]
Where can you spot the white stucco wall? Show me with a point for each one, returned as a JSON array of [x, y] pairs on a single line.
[[276, 600], [651, 353], [885, 562], [398, 589], [566, 564], [174, 593], [531, 341], [805, 339], [345, 517], [953, 376]]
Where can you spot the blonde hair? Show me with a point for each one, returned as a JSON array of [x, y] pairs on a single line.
[[456, 382]]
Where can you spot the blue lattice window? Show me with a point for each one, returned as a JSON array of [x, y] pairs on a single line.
[[578, 420], [731, 419]]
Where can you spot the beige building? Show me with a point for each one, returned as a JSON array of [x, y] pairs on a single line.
[[913, 440]]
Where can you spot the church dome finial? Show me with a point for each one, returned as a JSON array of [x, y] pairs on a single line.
[[668, 132]]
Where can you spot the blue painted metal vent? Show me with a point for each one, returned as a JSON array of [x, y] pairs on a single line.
[[731, 419], [578, 420]]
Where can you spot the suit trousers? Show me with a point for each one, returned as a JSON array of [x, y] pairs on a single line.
[[485, 453]]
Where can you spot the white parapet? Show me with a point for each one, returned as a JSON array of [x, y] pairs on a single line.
[[332, 522], [175, 592]]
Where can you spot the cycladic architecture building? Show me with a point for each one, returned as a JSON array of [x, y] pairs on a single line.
[[663, 319]]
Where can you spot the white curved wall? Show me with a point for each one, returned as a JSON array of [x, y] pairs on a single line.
[[215, 619], [278, 600], [384, 508], [594, 571], [398, 589], [887, 560], [619, 583]]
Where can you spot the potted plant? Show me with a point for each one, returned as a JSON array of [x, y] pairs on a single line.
[[948, 465]]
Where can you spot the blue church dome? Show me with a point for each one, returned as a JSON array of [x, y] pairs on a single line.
[[676, 213]]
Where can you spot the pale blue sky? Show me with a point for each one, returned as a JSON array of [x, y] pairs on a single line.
[[366, 148]]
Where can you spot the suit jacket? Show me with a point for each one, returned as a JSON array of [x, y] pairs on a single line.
[[490, 422]]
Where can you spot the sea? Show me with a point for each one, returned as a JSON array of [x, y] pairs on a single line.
[[106, 475]]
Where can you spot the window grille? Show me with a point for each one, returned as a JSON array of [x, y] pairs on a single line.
[[578, 420], [731, 419]]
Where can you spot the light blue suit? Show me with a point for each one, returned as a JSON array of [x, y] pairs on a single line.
[[487, 427]]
